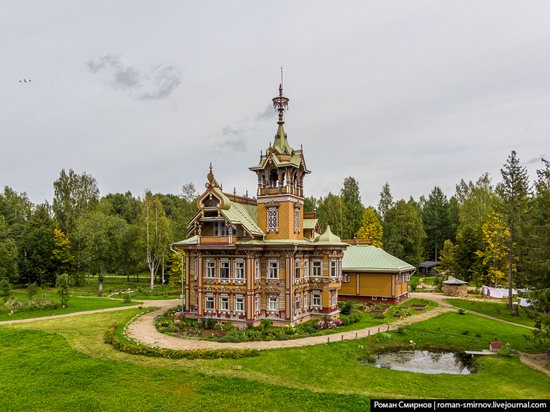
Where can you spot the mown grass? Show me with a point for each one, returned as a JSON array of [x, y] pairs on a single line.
[[76, 304], [40, 371], [308, 378], [494, 309]]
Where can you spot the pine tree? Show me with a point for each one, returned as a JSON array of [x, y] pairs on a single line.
[[331, 213], [448, 261], [371, 228], [514, 191], [436, 216], [404, 234], [386, 201]]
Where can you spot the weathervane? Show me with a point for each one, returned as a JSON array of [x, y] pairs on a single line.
[[280, 103]]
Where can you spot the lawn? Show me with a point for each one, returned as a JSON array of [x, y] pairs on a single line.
[[141, 288], [76, 304], [72, 369], [494, 309]]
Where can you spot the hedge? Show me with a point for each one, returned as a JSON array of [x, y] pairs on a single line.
[[115, 336]]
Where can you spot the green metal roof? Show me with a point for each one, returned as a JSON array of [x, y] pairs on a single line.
[[366, 258], [310, 223], [280, 144], [328, 238], [246, 215], [193, 240]]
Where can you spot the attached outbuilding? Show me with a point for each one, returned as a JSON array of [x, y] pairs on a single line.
[[372, 274]]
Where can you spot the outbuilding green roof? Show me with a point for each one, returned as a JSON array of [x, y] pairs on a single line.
[[310, 223], [366, 258]]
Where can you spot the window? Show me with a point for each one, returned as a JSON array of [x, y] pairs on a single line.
[[257, 269], [220, 228], [272, 304], [224, 269], [210, 269], [306, 301], [239, 269], [317, 268], [224, 303], [272, 220], [273, 270], [297, 268], [257, 304], [296, 220], [239, 303], [306, 268], [333, 268], [297, 302], [407, 277], [346, 278], [333, 298], [209, 302], [316, 299]]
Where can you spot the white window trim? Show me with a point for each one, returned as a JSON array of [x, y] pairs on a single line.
[[237, 297], [315, 295], [297, 268], [320, 267], [211, 261], [257, 303], [270, 301], [236, 270], [333, 264], [346, 278], [296, 220], [222, 261], [210, 298], [269, 276], [221, 305], [306, 268]]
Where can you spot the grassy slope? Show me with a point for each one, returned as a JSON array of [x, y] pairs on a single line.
[[494, 309], [307, 378], [76, 304]]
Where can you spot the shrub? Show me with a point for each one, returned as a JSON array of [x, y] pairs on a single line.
[[209, 323], [127, 298], [345, 307], [506, 351], [32, 290], [62, 283], [478, 335], [461, 311], [5, 287], [401, 330], [414, 283], [465, 332], [379, 316], [265, 324]]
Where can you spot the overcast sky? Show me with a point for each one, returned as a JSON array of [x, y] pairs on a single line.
[[146, 94]]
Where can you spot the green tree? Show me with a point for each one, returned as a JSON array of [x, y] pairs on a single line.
[[371, 228], [436, 216], [448, 258], [496, 242], [331, 213], [155, 234], [386, 201], [475, 201], [310, 204], [175, 268], [468, 242], [514, 191], [537, 254], [404, 234], [8, 254], [353, 208], [36, 257], [5, 287], [62, 284]]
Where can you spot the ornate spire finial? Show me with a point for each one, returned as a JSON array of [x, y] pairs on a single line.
[[280, 103], [211, 179], [234, 191]]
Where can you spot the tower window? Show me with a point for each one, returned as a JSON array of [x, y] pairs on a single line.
[[239, 269], [296, 220], [272, 220], [274, 270]]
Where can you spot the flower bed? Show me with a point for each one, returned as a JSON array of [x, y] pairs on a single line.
[[116, 337]]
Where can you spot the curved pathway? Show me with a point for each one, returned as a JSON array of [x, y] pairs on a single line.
[[146, 303], [144, 331]]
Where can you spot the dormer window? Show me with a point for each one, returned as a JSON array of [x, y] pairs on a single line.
[[272, 219], [220, 228]]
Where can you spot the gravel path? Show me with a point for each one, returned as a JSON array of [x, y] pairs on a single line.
[[144, 331], [149, 303]]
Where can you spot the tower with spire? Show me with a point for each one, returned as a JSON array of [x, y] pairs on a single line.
[[280, 172], [249, 259]]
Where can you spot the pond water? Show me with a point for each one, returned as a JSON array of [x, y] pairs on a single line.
[[422, 361]]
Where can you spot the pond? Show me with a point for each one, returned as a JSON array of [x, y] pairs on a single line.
[[423, 361]]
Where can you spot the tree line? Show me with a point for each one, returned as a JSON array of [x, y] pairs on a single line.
[[84, 234]]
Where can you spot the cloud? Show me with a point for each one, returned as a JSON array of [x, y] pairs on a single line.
[[234, 139], [267, 114], [155, 83]]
